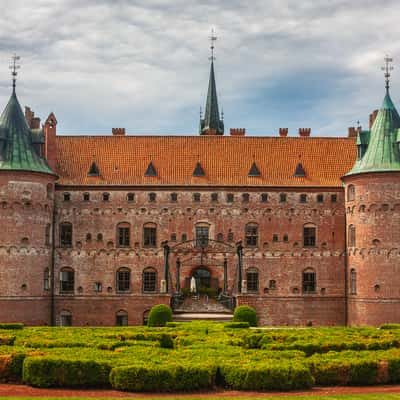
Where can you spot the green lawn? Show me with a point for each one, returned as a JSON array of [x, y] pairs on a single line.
[[377, 396]]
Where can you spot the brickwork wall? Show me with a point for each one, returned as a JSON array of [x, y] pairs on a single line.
[[375, 214], [283, 261], [26, 209]]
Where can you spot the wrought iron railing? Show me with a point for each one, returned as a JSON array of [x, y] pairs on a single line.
[[227, 301]]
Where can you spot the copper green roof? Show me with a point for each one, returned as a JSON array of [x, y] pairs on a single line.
[[211, 116], [382, 153], [16, 149]]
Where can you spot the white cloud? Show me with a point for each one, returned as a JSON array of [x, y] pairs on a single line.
[[143, 64]]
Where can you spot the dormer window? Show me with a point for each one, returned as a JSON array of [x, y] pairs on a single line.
[[94, 170]]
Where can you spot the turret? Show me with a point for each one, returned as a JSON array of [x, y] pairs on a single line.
[[373, 218], [26, 199]]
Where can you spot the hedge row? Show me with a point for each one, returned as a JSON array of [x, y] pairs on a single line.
[[7, 340], [349, 368], [159, 378], [11, 326], [49, 372], [310, 347]]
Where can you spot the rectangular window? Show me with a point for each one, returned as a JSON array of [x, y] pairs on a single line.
[[282, 198], [214, 196], [123, 281], [66, 235], [334, 198], [67, 281], [196, 197], [174, 197], [149, 281], [130, 197], [67, 197], [309, 282], [320, 198], [123, 237], [251, 235], [252, 281], [309, 238], [86, 196], [264, 197], [275, 237], [229, 197], [303, 198], [201, 236], [122, 320], [149, 237]]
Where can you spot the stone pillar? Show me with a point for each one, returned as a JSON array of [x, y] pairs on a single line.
[[178, 276], [166, 265], [244, 286], [163, 286], [225, 276], [239, 251]]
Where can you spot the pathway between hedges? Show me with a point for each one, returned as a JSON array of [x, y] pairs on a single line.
[[26, 391]]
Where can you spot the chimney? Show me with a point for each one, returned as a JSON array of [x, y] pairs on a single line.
[[372, 117], [237, 131], [35, 123], [283, 132], [118, 131], [29, 115], [50, 133], [352, 132], [304, 132]]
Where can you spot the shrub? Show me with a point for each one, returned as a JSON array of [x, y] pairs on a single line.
[[12, 326], [166, 341], [267, 376], [49, 372], [7, 340], [157, 378], [390, 326], [159, 315], [11, 367], [245, 314], [238, 325]]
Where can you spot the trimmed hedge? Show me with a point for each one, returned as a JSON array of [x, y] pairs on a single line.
[[238, 325], [267, 376], [390, 326], [11, 367], [159, 315], [157, 378], [14, 325], [245, 314], [53, 372], [7, 340]]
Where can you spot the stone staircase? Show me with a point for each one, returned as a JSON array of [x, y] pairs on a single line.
[[202, 308]]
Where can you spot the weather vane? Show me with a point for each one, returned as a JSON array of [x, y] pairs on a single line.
[[14, 67], [213, 38], [387, 68]]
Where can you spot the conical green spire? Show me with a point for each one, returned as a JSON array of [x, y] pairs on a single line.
[[16, 149], [211, 120], [382, 153]]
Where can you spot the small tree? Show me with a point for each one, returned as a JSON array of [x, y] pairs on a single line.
[[245, 314], [159, 315]]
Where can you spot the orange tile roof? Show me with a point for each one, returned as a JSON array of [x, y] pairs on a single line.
[[226, 160]]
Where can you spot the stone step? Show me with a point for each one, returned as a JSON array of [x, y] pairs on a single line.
[[207, 316]]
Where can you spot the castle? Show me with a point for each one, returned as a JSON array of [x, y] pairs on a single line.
[[95, 230]]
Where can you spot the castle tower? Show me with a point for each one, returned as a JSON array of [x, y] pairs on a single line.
[[373, 220], [212, 123], [26, 214]]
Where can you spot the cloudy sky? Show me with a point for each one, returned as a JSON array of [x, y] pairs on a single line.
[[143, 64]]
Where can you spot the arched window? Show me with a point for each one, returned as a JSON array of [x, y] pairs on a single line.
[[86, 196], [47, 235], [46, 279], [351, 193], [66, 234], [106, 196], [309, 235], [252, 280], [121, 318], [123, 234], [245, 197], [353, 281], [67, 280], [309, 281], [123, 279], [352, 236], [149, 280], [65, 318], [149, 235], [202, 234], [251, 235], [220, 237]]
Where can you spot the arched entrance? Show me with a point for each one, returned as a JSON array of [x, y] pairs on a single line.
[[203, 278]]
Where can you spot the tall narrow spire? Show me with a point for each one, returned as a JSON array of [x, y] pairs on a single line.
[[14, 67], [387, 68], [212, 124]]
